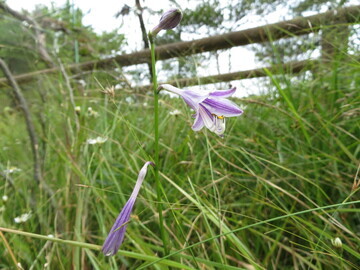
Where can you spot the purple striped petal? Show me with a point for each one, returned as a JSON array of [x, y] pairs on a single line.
[[192, 98], [219, 126], [222, 107], [117, 232], [207, 117], [190, 102], [199, 123], [223, 93]]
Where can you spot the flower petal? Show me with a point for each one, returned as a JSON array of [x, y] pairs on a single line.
[[171, 88], [191, 97], [223, 93], [140, 179], [207, 117], [199, 123], [219, 126], [222, 107], [170, 19], [117, 232]]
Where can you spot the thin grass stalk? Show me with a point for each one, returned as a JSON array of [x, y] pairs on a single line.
[[11, 253], [76, 42], [217, 203], [156, 147], [251, 226]]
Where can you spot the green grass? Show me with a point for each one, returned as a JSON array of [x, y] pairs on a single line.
[[244, 201]]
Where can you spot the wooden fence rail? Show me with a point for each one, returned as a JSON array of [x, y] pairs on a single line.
[[291, 67], [290, 28]]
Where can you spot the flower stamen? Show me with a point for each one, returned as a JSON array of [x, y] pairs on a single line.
[[219, 116]]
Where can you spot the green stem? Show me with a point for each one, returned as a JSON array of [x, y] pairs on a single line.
[[156, 146], [76, 42], [217, 203], [138, 256]]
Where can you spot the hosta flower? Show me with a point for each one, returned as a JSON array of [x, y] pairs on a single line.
[[117, 232], [211, 108], [169, 20]]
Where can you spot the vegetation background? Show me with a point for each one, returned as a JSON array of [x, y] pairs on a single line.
[[295, 148]]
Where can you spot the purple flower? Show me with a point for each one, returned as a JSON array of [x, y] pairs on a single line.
[[117, 232], [210, 108], [169, 20]]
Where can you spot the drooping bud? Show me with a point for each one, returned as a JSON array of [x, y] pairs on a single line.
[[169, 20], [116, 235]]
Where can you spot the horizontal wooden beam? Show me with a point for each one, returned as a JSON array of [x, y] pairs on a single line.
[[294, 27], [288, 68]]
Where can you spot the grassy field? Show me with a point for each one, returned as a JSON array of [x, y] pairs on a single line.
[[245, 201]]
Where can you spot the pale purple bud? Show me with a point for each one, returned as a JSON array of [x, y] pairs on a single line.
[[169, 20]]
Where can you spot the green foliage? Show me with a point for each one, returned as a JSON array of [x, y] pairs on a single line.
[[295, 148], [61, 27], [17, 50], [264, 7], [291, 48], [205, 14]]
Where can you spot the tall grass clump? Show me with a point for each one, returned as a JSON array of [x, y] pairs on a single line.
[[274, 193]]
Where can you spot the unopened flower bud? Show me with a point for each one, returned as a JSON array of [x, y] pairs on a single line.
[[169, 20]]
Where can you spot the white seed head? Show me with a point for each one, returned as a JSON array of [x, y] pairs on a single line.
[[175, 112], [11, 170], [97, 140], [336, 242], [23, 218]]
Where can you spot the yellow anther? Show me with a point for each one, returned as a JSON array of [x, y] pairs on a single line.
[[218, 117]]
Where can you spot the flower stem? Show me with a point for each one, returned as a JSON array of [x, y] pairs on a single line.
[[156, 146]]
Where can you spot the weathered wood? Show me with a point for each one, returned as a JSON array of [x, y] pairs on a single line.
[[291, 68], [294, 27]]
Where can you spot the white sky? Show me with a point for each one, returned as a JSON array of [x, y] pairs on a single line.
[[100, 15]]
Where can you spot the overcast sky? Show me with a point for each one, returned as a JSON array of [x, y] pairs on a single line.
[[99, 13]]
